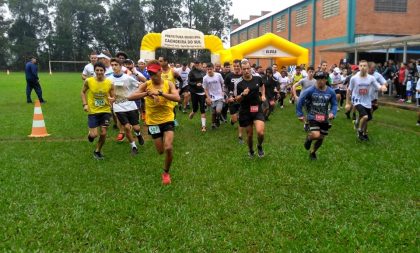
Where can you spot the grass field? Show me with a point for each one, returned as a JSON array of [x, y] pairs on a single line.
[[357, 197]]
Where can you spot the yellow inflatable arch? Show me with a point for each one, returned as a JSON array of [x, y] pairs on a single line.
[[267, 46]]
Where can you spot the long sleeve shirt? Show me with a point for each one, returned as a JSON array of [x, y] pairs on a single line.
[[31, 71], [317, 102]]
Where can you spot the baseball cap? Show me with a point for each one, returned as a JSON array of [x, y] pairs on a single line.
[[354, 68], [141, 61], [337, 70], [154, 68], [102, 55]]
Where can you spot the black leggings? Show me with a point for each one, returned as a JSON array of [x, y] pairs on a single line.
[[281, 98], [198, 100]]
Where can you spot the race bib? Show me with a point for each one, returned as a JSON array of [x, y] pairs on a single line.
[[253, 108], [99, 102], [154, 129], [363, 92], [320, 117]]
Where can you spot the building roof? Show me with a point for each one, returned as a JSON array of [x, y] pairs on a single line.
[[395, 42], [282, 6]]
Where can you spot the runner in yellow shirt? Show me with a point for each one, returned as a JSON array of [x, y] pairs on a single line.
[[97, 95], [159, 96]]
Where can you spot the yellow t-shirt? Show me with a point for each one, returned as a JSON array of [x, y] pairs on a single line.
[[297, 78], [158, 111], [169, 75], [97, 95]]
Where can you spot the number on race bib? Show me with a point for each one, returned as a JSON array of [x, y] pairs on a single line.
[[253, 108], [363, 92], [99, 102], [154, 129], [320, 117]]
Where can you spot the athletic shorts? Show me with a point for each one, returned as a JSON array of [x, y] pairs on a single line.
[[316, 126], [98, 119], [363, 111], [130, 117], [217, 105], [408, 93], [337, 91], [158, 130], [234, 108], [184, 89], [248, 118]]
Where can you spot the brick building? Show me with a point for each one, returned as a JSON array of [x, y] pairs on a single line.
[[320, 24]]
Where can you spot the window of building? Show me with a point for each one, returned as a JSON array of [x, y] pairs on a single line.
[[302, 16], [391, 5], [252, 32], [330, 8], [281, 23], [265, 27]]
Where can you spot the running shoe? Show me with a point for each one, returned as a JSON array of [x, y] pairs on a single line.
[[260, 152], [134, 151], [366, 137], [203, 129], [307, 143], [120, 137], [241, 140], [140, 139], [191, 115], [213, 126], [98, 155], [251, 154], [348, 115], [306, 127], [361, 136], [312, 156], [166, 178]]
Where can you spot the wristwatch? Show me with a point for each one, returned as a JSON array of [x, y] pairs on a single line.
[[160, 92]]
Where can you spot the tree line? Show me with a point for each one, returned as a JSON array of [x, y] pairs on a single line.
[[71, 29]]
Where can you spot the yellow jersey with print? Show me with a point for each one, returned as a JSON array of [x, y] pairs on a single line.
[[169, 75], [297, 78], [159, 110], [97, 95]]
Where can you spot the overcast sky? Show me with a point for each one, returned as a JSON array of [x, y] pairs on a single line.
[[242, 9]]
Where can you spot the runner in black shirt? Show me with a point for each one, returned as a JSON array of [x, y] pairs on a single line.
[[250, 113], [271, 85], [231, 81]]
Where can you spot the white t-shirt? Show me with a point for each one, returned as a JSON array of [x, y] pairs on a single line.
[[108, 71], [336, 79], [417, 89], [361, 89], [184, 76], [214, 86], [381, 80], [284, 81], [124, 85], [306, 83], [88, 70], [277, 75]]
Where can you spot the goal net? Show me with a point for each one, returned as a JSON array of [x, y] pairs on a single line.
[[66, 66]]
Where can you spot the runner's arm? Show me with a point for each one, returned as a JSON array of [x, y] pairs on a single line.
[[139, 93], [173, 94], [85, 88]]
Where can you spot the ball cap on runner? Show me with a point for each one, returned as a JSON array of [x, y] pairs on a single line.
[[102, 55], [337, 70], [154, 68], [141, 61], [354, 68], [320, 75]]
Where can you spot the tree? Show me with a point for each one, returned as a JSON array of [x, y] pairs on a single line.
[[4, 41], [163, 14]]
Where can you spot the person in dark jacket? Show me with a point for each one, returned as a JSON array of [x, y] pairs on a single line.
[[198, 95], [32, 80]]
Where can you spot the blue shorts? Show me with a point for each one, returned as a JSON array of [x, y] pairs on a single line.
[[98, 119], [408, 93]]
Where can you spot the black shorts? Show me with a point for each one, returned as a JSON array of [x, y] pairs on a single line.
[[131, 117], [234, 108], [363, 111], [337, 91], [98, 119], [316, 126], [184, 89], [164, 127], [248, 118]]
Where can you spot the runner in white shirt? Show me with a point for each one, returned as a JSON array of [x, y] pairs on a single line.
[[360, 91], [380, 79], [184, 87], [284, 81], [88, 70], [213, 86], [336, 82], [276, 73], [126, 111]]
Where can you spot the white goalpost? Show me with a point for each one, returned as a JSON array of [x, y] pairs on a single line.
[[49, 63]]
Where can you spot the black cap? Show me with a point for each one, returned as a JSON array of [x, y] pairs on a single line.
[[196, 61], [128, 61], [121, 53], [321, 75]]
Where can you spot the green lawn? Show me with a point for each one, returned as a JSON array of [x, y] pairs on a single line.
[[358, 197]]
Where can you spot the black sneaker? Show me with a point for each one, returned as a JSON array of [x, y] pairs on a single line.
[[43, 102], [140, 139], [260, 151], [366, 137], [213, 126], [134, 151], [348, 115], [251, 154], [306, 127], [241, 141], [29, 102], [98, 155], [90, 139], [307, 143], [312, 156], [361, 136], [217, 121]]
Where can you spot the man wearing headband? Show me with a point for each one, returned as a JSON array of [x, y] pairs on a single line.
[[159, 96], [317, 100]]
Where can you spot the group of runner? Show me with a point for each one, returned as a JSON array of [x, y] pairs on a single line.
[[115, 86]]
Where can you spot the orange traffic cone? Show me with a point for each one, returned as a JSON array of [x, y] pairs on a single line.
[[38, 124]]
